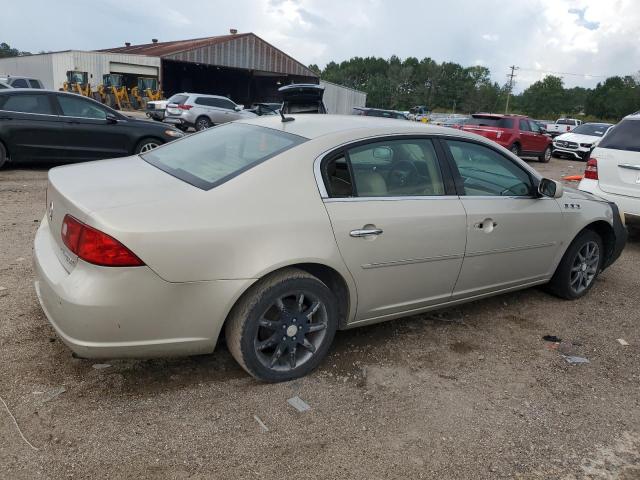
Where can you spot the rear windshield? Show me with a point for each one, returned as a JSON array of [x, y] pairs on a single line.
[[624, 136], [496, 122], [178, 99], [564, 121], [593, 129], [214, 156]]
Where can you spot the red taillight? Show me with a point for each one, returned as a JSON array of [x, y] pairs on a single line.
[[591, 171], [185, 107], [568, 128], [96, 247]]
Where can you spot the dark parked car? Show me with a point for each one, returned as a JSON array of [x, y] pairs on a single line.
[[378, 112], [43, 125]]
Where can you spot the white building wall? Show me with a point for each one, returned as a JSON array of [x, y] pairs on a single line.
[[52, 68], [341, 100], [34, 66]]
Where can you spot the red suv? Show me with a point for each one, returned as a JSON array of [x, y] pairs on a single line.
[[517, 133]]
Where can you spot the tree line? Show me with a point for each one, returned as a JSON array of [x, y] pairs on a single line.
[[401, 84]]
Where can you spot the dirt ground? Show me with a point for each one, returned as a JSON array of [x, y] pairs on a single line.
[[472, 392]]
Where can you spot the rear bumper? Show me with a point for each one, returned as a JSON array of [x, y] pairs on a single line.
[[102, 312], [630, 206]]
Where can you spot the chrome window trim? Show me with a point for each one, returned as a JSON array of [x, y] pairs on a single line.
[[389, 199], [629, 166], [30, 113]]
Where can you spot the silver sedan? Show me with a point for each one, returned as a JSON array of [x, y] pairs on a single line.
[[281, 232]]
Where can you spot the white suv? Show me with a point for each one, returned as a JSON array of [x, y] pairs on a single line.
[[202, 111], [613, 171]]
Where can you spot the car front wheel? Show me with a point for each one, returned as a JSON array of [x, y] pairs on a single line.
[[282, 327], [579, 266]]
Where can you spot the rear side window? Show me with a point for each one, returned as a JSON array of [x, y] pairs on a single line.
[[216, 155], [491, 122], [27, 103], [624, 136], [19, 83], [178, 99]]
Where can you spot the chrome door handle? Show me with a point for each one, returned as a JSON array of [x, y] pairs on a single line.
[[487, 225], [365, 232]]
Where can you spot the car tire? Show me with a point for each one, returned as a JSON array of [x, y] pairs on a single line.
[[182, 128], [263, 331], [578, 267], [202, 123], [3, 155], [546, 155], [147, 144], [515, 149]]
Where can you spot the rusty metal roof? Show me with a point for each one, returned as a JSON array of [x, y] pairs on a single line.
[[240, 50], [160, 49]]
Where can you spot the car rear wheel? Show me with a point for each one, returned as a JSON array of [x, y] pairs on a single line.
[[282, 327], [546, 155], [147, 144], [515, 149], [3, 155], [579, 267], [203, 123]]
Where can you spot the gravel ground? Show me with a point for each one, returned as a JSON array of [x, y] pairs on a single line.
[[471, 392]]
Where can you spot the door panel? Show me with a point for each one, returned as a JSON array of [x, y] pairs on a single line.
[[513, 238], [415, 261], [519, 247], [87, 135], [30, 126]]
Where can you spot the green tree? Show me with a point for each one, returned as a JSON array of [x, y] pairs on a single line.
[[6, 51], [544, 98]]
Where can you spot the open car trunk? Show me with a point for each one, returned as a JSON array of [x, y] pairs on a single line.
[[302, 98]]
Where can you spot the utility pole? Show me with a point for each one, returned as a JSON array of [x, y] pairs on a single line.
[[511, 76]]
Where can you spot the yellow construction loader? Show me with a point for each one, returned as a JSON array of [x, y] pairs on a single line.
[[77, 82]]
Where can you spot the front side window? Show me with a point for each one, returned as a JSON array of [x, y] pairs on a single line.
[[485, 172], [216, 155], [223, 103], [27, 103], [624, 136], [535, 128], [34, 83], [392, 168], [81, 108], [524, 126]]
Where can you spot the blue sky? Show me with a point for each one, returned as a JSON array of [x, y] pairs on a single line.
[[589, 38]]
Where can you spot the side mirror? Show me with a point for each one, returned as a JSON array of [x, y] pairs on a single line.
[[238, 108], [550, 188], [111, 118]]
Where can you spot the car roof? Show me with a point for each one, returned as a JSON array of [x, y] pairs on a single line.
[[317, 125]]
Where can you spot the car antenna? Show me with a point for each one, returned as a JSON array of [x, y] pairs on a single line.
[[285, 119]]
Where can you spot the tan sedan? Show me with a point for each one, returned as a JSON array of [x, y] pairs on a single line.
[[282, 232]]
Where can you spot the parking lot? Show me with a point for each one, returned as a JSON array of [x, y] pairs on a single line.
[[470, 392]]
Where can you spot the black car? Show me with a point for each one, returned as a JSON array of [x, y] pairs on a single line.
[[378, 112], [42, 125]]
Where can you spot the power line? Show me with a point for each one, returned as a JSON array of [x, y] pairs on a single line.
[[565, 73], [511, 76]]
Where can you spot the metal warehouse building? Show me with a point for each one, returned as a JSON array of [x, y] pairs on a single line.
[[242, 66]]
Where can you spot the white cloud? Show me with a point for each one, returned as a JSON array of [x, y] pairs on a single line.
[[536, 35]]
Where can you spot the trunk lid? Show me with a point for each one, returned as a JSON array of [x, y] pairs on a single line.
[[80, 190], [302, 98]]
